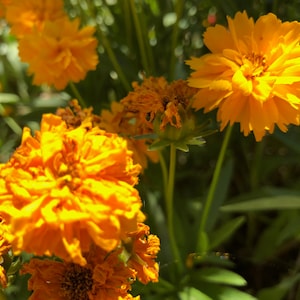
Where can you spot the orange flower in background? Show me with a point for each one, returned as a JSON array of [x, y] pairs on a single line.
[[118, 120], [27, 16], [252, 75], [103, 277], [3, 6], [60, 53], [64, 188], [144, 250], [156, 97]]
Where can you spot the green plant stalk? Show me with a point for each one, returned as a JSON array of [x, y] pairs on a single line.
[[114, 61], [174, 38], [212, 189], [164, 170], [108, 49], [170, 209], [128, 25], [140, 38], [77, 94]]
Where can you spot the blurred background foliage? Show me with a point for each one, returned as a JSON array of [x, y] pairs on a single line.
[[256, 232]]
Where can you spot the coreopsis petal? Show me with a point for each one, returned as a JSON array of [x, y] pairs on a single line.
[[28, 15], [59, 53], [65, 188], [103, 277], [252, 75]]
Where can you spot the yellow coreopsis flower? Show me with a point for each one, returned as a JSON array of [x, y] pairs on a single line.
[[64, 189], [252, 75], [28, 15], [61, 52], [103, 277]]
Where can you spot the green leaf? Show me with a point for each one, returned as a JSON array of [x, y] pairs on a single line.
[[218, 292], [280, 202], [220, 276], [8, 98], [225, 231], [278, 291], [190, 293]]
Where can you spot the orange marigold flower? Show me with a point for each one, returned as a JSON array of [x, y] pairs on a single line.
[[103, 277], [60, 53], [155, 97], [144, 250], [28, 15], [252, 75], [65, 188], [124, 123], [4, 248]]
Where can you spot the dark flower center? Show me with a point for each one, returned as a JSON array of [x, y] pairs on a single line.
[[77, 281]]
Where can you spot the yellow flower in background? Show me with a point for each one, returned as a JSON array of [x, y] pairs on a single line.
[[144, 250], [65, 188], [27, 16], [61, 52], [252, 75], [103, 277]]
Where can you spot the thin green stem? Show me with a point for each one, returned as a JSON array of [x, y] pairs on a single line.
[[174, 38], [114, 60], [170, 208], [77, 94], [164, 171], [107, 46], [212, 189], [140, 38]]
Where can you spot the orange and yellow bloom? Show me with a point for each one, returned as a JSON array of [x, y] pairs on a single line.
[[4, 248], [64, 189], [61, 52], [251, 75]]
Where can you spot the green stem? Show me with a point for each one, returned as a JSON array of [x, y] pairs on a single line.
[[164, 170], [114, 61], [77, 94], [174, 38], [211, 192], [169, 206], [140, 38]]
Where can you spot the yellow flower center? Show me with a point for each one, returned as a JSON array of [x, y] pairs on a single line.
[[77, 281], [254, 65]]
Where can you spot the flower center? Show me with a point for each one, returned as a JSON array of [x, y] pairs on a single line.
[[77, 281], [254, 65]]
